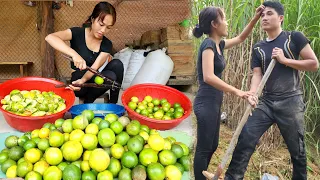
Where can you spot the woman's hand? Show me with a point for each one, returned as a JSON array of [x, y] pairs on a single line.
[[79, 62], [253, 100], [79, 81], [259, 10], [243, 94]]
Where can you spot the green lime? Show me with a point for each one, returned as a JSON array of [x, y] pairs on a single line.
[[22, 140], [122, 138], [96, 120], [46, 125], [58, 123], [180, 167], [129, 159], [111, 117], [145, 128], [21, 160], [138, 111], [179, 109], [3, 157], [29, 145], [156, 101], [62, 165], [89, 114], [117, 127], [77, 163], [185, 162], [5, 150], [155, 109], [125, 174], [88, 175], [150, 110], [169, 114], [52, 127], [104, 124], [6, 164], [24, 168], [98, 80], [177, 150], [11, 141], [132, 105], [43, 107], [33, 175], [177, 114], [43, 144], [144, 112], [15, 153], [15, 91], [67, 126], [114, 166], [175, 105], [36, 139], [162, 101], [71, 172], [52, 172]]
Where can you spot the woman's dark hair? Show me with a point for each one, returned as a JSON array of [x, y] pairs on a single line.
[[207, 15], [100, 11]]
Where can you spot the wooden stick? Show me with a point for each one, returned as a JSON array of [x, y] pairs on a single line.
[[87, 85], [94, 72], [243, 121]]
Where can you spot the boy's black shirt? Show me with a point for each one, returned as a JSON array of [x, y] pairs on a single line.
[[284, 81]]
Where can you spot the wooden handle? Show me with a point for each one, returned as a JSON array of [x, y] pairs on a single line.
[[95, 72], [106, 86], [243, 121]]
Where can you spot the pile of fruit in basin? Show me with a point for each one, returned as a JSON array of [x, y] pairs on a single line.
[[88, 147], [33, 103], [155, 108]]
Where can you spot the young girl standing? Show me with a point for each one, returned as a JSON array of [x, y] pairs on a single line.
[[210, 66]]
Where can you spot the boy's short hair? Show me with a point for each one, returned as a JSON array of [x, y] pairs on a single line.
[[276, 5]]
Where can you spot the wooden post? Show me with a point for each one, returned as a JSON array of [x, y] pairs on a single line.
[[46, 27]]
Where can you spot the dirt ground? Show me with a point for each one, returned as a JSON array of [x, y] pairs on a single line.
[[276, 162]]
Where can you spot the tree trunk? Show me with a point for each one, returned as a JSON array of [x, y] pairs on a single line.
[[46, 27]]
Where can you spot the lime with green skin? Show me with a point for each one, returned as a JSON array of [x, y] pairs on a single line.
[[15, 91], [22, 140], [3, 157], [33, 103], [11, 141], [98, 80]]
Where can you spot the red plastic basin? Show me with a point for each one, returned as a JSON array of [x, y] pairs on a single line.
[[156, 91], [27, 123]]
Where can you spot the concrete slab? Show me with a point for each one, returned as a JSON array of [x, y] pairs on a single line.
[[185, 126]]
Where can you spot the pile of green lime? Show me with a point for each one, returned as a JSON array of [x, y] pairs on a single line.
[[156, 108], [88, 147], [33, 103]]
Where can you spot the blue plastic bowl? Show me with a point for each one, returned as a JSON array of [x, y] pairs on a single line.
[[100, 110]]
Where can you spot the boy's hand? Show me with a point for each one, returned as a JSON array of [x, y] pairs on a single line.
[[277, 54]]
